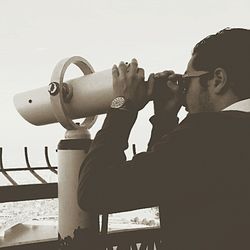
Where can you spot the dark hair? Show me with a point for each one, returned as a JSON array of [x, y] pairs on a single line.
[[230, 50]]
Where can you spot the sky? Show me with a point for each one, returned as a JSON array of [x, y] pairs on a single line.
[[35, 35]]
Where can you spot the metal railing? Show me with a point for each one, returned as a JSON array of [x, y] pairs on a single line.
[[137, 239], [16, 192]]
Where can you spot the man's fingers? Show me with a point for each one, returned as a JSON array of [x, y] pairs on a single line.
[[133, 66], [151, 84], [164, 74], [140, 73], [122, 69], [173, 85], [115, 71], [174, 77]]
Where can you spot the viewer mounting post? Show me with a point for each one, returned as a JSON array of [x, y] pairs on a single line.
[[86, 96]]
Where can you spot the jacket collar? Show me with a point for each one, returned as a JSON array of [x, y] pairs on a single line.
[[243, 105]]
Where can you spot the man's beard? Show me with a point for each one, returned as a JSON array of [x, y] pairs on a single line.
[[205, 103]]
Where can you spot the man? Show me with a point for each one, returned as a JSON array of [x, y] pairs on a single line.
[[199, 170]]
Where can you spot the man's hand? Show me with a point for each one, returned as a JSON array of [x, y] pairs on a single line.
[[167, 95], [128, 81]]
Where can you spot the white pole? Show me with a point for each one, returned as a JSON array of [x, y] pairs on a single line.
[[71, 153]]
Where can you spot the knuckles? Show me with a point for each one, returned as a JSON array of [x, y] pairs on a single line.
[[132, 76], [128, 72]]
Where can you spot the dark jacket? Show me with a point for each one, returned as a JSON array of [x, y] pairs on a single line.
[[199, 171]]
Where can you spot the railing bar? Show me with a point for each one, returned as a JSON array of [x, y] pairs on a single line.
[[123, 246], [162, 244], [28, 192], [26, 157], [48, 161], [25, 169], [11, 180], [104, 228], [2, 170], [47, 156], [134, 149], [158, 245], [36, 175], [163, 217], [134, 246], [136, 236], [1, 158], [143, 246], [151, 245], [53, 170]]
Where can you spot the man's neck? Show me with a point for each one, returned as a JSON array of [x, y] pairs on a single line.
[[225, 101]]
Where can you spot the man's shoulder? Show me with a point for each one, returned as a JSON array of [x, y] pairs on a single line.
[[198, 130], [211, 125], [211, 119]]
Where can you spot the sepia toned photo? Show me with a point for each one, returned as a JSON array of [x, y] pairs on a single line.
[[125, 125]]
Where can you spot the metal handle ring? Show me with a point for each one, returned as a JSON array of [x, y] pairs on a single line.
[[57, 89]]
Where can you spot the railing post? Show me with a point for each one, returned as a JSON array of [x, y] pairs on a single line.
[[2, 170], [46, 154], [1, 158], [37, 176]]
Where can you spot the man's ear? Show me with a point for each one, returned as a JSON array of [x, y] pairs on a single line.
[[220, 81]]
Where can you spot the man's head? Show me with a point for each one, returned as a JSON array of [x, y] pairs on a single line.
[[218, 73]]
